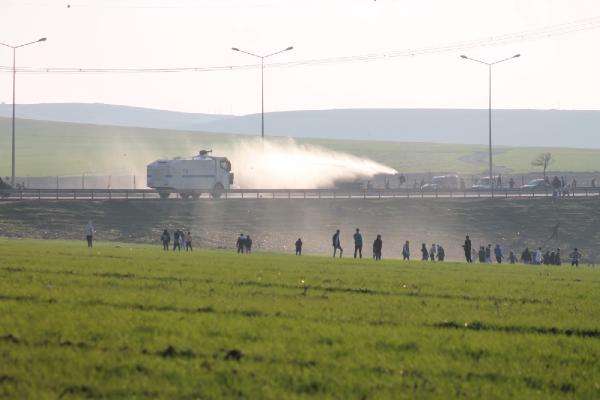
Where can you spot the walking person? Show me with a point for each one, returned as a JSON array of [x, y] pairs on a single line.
[[498, 254], [511, 257], [88, 231], [406, 251], [358, 243], [298, 247], [557, 260], [248, 244], [377, 247], [575, 257], [432, 252], [188, 241], [467, 249], [424, 253], [335, 241], [166, 239]]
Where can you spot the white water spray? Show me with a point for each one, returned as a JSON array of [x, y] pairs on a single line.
[[283, 163]]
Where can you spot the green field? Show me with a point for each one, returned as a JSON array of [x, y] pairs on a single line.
[[53, 148], [130, 321]]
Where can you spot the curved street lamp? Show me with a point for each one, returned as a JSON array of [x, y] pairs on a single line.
[[262, 86], [489, 64], [14, 48]]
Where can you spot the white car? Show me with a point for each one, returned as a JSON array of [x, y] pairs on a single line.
[[535, 184], [444, 182]]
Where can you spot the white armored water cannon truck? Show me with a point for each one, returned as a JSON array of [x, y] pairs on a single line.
[[190, 177]]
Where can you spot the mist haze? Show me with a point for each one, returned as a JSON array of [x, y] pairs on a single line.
[[283, 163]]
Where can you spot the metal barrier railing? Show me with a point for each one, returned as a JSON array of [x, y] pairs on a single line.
[[151, 194]]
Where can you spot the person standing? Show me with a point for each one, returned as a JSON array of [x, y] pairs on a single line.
[[176, 243], [538, 257], [424, 253], [432, 252], [511, 257], [182, 240], [358, 243], [467, 248], [526, 256], [298, 247], [240, 244], [498, 254], [377, 247], [441, 253], [248, 244], [166, 239], [88, 231], [557, 259], [488, 253], [406, 251], [481, 254], [188, 241], [335, 241], [575, 257]]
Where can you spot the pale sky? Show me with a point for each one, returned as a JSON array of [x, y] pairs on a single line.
[[558, 72]]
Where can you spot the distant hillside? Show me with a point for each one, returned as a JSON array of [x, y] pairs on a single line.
[[550, 128], [510, 127], [108, 114], [58, 148]]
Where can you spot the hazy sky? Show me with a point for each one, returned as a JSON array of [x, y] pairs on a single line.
[[557, 72]]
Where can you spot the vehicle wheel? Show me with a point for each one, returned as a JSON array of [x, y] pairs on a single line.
[[164, 195], [218, 191]]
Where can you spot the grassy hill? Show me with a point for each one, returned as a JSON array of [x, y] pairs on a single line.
[[131, 321], [55, 148]]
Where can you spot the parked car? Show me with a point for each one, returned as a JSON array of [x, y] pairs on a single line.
[[444, 182], [483, 183], [535, 184]]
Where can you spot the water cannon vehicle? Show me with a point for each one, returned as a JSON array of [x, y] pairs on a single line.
[[190, 177]]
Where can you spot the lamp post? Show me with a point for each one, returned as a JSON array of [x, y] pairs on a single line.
[[262, 86], [14, 48], [489, 64]]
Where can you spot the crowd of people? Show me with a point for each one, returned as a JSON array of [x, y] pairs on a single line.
[[485, 254], [535, 257], [180, 240]]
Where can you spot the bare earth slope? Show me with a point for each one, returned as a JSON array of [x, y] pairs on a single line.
[[275, 225]]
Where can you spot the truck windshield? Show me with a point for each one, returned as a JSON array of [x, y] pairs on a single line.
[[226, 165]]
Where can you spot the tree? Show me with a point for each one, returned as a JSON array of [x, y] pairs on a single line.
[[543, 160]]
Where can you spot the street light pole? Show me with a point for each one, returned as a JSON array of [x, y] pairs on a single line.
[[14, 48], [489, 65], [262, 82]]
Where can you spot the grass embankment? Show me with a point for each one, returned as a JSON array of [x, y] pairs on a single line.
[[47, 148], [130, 321]]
